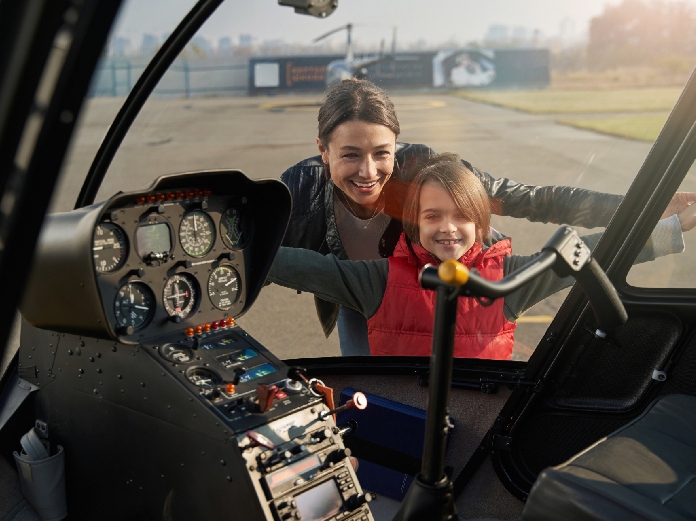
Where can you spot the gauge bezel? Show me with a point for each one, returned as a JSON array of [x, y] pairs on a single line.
[[188, 350], [249, 232], [213, 232], [124, 249], [195, 368], [195, 286], [239, 286], [151, 219], [151, 311]]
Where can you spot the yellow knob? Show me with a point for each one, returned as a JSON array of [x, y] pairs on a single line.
[[453, 272]]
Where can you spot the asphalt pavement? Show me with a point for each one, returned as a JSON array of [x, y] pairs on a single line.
[[264, 136]]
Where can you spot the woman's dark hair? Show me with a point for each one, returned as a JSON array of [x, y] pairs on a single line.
[[356, 100], [461, 183]]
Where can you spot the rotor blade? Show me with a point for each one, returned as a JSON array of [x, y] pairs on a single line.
[[331, 32]]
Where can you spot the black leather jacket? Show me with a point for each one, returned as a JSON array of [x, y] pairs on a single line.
[[313, 223]]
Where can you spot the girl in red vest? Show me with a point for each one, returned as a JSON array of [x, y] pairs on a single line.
[[446, 216]]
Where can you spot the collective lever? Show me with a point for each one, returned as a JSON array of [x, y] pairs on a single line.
[[358, 401]]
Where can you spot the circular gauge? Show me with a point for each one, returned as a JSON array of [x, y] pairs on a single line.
[[203, 377], [223, 287], [176, 353], [235, 228], [196, 233], [180, 295], [109, 247], [134, 305]]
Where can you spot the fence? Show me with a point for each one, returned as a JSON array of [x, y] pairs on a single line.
[[186, 78]]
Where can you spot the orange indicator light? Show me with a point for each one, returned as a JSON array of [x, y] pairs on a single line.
[[189, 332], [230, 321], [140, 200], [206, 328], [160, 197], [150, 198], [198, 193], [189, 194], [198, 330], [170, 196], [229, 388]]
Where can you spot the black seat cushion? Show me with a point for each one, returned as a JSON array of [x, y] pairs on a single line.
[[645, 470]]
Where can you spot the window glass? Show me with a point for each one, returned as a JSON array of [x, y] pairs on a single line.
[[670, 271], [552, 93]]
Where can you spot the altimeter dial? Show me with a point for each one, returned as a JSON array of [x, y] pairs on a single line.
[[196, 233]]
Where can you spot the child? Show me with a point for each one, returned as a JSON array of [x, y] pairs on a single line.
[[446, 216]]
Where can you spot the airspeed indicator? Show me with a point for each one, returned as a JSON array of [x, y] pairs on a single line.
[[196, 233]]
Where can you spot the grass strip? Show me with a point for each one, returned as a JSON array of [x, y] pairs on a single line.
[[644, 128], [579, 101]]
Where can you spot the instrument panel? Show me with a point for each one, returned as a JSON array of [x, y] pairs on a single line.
[[189, 254], [173, 258]]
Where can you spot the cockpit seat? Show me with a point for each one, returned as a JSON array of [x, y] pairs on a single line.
[[645, 470]]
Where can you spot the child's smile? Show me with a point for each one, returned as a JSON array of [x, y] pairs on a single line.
[[444, 230]]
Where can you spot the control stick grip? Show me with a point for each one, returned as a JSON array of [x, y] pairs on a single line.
[[606, 304]]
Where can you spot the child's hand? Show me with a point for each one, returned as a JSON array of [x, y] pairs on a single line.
[[680, 201]]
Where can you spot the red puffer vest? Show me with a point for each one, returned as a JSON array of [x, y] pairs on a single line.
[[403, 324]]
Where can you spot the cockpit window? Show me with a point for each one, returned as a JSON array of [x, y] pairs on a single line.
[[558, 94]]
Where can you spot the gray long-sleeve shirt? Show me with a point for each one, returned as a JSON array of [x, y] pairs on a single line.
[[361, 284]]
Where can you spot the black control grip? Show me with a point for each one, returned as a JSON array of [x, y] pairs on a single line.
[[606, 304]]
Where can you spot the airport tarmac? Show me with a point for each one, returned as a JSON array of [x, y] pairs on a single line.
[[264, 136]]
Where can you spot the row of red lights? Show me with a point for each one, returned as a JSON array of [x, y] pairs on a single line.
[[207, 328], [170, 196]]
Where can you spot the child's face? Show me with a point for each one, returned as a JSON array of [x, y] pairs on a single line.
[[444, 231]]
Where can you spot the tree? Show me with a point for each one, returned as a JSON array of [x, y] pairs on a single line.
[[636, 32]]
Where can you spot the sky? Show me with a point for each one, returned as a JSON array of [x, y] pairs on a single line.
[[461, 20]]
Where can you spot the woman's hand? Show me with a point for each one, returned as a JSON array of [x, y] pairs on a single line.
[[687, 217], [680, 202]]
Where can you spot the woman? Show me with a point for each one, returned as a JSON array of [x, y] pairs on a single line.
[[347, 200]]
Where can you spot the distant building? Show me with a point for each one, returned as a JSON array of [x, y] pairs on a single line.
[[224, 46], [245, 40], [519, 34], [497, 33], [120, 47], [149, 45]]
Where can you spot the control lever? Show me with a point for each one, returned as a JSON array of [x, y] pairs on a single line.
[[257, 439], [238, 372], [358, 401], [359, 500], [265, 395]]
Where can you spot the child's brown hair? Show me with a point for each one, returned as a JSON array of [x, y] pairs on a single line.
[[461, 183]]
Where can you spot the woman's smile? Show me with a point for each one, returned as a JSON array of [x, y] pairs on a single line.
[[360, 158]]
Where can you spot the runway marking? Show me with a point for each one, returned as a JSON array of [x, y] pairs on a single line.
[[535, 319]]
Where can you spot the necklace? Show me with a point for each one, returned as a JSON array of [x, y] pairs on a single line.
[[350, 209]]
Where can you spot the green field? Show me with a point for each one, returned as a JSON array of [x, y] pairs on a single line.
[[644, 128], [580, 101]]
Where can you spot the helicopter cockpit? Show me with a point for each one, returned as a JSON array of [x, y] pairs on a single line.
[[174, 382]]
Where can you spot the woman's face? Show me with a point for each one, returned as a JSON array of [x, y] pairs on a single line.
[[361, 160], [443, 229]]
